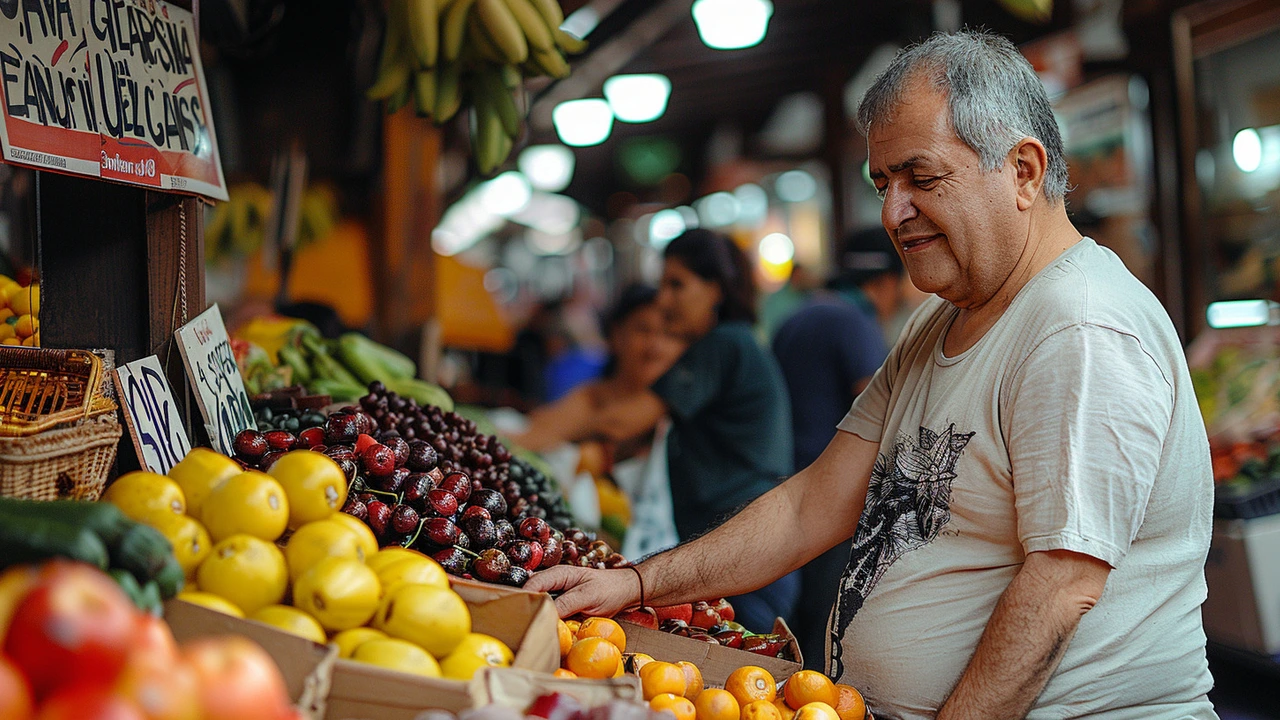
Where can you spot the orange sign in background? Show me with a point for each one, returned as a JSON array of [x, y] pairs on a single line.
[[112, 89]]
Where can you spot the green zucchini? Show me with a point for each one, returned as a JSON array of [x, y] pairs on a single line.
[[422, 391], [103, 519], [142, 551], [33, 539]]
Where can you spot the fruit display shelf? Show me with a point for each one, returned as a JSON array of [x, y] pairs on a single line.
[[426, 478]]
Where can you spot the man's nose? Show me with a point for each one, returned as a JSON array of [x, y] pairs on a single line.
[[897, 209]]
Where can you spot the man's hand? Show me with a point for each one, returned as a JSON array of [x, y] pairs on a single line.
[[601, 593]]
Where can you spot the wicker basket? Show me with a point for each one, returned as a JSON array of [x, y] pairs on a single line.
[[41, 389], [64, 463]]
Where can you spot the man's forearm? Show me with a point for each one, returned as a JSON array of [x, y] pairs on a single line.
[[1026, 637], [779, 532]]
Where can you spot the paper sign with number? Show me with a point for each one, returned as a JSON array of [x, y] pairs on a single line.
[[211, 366], [152, 415]]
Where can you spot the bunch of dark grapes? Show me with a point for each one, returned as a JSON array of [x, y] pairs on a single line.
[[425, 478]]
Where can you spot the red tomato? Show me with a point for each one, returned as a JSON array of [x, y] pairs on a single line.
[[154, 642], [75, 627], [15, 695], [238, 680], [162, 691], [88, 702]]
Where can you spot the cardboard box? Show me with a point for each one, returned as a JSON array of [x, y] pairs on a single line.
[[525, 621], [1243, 573], [715, 661], [306, 666], [516, 688]]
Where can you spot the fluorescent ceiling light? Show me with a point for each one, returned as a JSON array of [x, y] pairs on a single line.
[[718, 209], [1241, 313], [548, 167], [638, 98], [795, 186], [1246, 150], [732, 24], [550, 214], [777, 249], [507, 194], [582, 123], [665, 226], [753, 204]]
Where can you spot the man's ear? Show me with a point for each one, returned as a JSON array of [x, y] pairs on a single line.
[[1030, 162]]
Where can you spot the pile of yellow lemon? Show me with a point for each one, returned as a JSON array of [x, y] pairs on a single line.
[[19, 308], [391, 607]]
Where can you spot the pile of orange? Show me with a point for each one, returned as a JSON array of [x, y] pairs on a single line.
[[591, 649]]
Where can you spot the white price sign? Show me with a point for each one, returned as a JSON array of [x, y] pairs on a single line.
[[211, 366], [151, 414]]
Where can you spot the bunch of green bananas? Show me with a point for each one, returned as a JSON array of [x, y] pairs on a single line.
[[446, 54]]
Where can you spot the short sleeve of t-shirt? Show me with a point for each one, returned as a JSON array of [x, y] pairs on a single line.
[[1085, 421]]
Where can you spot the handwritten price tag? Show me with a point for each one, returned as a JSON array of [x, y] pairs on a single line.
[[211, 366], [151, 414]]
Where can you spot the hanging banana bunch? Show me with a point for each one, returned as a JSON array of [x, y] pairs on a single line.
[[446, 56]]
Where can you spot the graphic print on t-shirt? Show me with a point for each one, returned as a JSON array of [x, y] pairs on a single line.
[[908, 503]]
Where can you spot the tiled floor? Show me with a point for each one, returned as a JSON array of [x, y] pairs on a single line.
[[1245, 688]]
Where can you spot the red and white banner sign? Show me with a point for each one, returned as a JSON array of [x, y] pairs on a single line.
[[108, 88]]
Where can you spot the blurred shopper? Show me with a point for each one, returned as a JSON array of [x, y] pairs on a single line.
[[1032, 440], [730, 439], [786, 300], [828, 351], [618, 407]]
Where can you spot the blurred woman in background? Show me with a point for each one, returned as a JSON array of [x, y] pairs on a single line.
[[730, 439]]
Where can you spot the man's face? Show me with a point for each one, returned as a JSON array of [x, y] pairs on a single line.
[[955, 225]]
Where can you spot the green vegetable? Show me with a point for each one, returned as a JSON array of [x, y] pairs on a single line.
[[103, 519], [339, 390], [151, 599], [293, 358], [142, 551], [36, 538], [170, 579], [373, 361], [422, 391]]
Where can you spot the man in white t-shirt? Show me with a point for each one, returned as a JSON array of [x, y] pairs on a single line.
[[1027, 478]]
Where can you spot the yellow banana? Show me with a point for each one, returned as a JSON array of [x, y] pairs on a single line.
[[448, 92], [551, 12], [531, 24], [400, 97], [503, 29], [454, 28], [424, 92], [551, 62], [512, 77], [569, 43], [496, 94], [424, 31], [482, 44], [393, 64], [486, 136]]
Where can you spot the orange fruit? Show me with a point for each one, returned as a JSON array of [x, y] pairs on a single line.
[[573, 627], [562, 673], [750, 683], [682, 708], [566, 637], [660, 678], [808, 686], [781, 703], [850, 704], [817, 711], [693, 679], [594, 658], [760, 710], [603, 628], [716, 704], [635, 662]]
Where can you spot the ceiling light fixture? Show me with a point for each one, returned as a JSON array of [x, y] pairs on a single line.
[[638, 98], [548, 167], [582, 123], [732, 24]]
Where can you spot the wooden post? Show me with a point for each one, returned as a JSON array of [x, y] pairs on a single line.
[[401, 254]]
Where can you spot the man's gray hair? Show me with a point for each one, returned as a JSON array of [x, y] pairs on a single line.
[[995, 97]]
